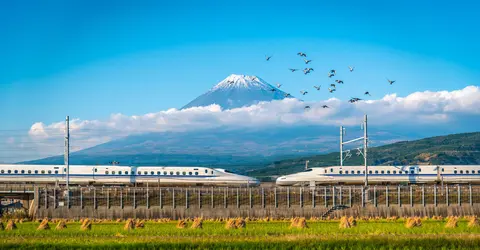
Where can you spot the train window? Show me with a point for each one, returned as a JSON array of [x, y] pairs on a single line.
[[212, 172], [325, 171], [36, 171], [178, 173], [29, 171], [394, 171], [139, 173], [9, 171], [56, 171], [23, 172], [370, 172], [145, 172], [461, 171], [340, 172], [443, 170], [132, 173], [171, 172], [184, 173], [16, 171], [64, 170], [419, 170], [159, 172], [49, 171], [164, 172], [106, 172], [411, 172], [383, 172], [206, 171], [152, 173], [376, 171], [95, 170], [126, 172], [388, 171], [189, 173], [454, 171], [113, 172], [2, 171], [43, 172], [196, 173], [466, 172], [358, 172], [331, 170]]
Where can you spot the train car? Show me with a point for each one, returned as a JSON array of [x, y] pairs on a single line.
[[122, 175], [383, 175]]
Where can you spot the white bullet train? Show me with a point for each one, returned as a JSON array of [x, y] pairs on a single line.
[[122, 175], [383, 175]]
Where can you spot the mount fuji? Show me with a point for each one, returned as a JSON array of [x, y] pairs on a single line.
[[237, 91]]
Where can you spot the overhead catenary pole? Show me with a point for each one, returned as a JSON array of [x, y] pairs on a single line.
[[67, 156], [341, 146], [365, 147]]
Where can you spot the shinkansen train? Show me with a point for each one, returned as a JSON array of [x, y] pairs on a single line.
[[384, 175], [122, 175]]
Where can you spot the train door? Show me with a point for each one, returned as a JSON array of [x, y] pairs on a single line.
[[413, 172]]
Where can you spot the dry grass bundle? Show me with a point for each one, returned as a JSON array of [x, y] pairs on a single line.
[[240, 223], [129, 225], [118, 220], [44, 225], [437, 217], [413, 222], [231, 224], [182, 224], [352, 221], [344, 223], [452, 222], [266, 219], [197, 223], [473, 222], [11, 225], [140, 224], [298, 223], [86, 225], [61, 225]]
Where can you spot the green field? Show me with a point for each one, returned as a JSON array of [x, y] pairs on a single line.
[[380, 234]]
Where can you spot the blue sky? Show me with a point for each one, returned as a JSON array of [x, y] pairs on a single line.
[[89, 60]]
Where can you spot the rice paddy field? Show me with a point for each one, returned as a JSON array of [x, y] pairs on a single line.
[[393, 233]]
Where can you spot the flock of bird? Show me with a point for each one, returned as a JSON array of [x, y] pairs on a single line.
[[332, 73]]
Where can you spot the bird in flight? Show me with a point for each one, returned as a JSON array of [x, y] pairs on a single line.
[[287, 95], [307, 70], [354, 99], [268, 58], [303, 92], [331, 90], [317, 87], [367, 93], [279, 85], [351, 68], [325, 107], [302, 54], [339, 81], [307, 61], [293, 70], [333, 85], [391, 82], [330, 75], [307, 107], [333, 71]]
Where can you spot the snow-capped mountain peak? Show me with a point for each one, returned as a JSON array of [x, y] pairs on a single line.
[[238, 91], [242, 81]]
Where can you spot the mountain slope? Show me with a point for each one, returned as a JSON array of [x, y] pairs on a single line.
[[237, 91], [456, 149]]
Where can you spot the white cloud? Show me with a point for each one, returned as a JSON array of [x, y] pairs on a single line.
[[418, 107]]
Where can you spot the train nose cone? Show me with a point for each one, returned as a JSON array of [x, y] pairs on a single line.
[[282, 180]]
